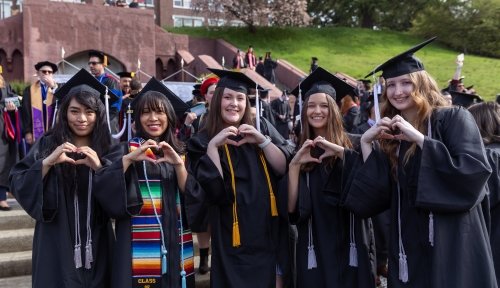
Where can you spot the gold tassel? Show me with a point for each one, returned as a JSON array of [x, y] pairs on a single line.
[[236, 234], [1, 69], [105, 60], [274, 208], [272, 198]]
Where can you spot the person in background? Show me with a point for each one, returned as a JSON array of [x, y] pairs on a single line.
[[98, 61], [10, 133], [250, 60], [259, 68], [134, 4], [269, 67], [38, 103], [487, 116], [238, 60], [314, 64], [281, 111], [350, 113]]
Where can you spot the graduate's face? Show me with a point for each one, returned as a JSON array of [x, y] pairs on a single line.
[[81, 119], [210, 93], [154, 123], [233, 105], [317, 110], [399, 92]]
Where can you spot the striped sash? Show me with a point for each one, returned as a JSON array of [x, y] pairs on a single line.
[[146, 238], [186, 243]]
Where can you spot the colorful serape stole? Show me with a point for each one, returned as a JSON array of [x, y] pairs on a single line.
[[186, 244], [147, 238]]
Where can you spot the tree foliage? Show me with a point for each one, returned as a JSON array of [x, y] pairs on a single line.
[[257, 12], [465, 25]]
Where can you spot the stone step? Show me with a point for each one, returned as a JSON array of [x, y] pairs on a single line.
[[15, 264], [6, 281], [16, 240], [15, 218]]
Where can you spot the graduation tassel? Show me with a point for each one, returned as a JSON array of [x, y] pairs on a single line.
[[88, 255], [78, 256], [311, 255], [353, 251], [272, 198], [236, 234], [403, 268], [163, 260], [183, 275], [353, 255], [431, 229], [274, 208]]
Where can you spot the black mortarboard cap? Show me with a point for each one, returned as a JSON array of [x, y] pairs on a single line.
[[402, 64], [46, 63], [322, 81], [464, 99], [126, 74], [83, 77], [233, 80], [154, 84], [104, 59]]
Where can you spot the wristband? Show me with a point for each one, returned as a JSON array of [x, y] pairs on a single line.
[[265, 143]]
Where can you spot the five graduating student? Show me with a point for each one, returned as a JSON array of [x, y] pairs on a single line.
[[54, 184], [431, 171], [333, 244], [238, 167], [145, 177]]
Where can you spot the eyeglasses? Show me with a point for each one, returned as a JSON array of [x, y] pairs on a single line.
[[46, 71], [94, 63]]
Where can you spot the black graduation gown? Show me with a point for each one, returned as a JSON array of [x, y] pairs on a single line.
[[331, 233], [8, 147], [253, 263], [50, 202], [493, 154], [122, 198], [448, 177]]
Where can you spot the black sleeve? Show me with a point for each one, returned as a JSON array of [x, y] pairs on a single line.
[[38, 196], [26, 111]]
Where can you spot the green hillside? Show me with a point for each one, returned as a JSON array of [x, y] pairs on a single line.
[[356, 52]]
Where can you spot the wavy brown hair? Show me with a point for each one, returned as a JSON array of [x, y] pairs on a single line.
[[334, 130], [214, 122], [487, 116], [427, 98]]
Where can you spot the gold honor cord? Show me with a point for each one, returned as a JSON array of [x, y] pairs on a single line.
[[272, 198]]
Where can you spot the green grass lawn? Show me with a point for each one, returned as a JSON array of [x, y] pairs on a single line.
[[356, 52]]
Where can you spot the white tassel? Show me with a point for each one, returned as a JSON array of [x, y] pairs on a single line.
[[403, 268], [163, 261], [311, 258], [353, 255], [431, 229], [88, 255], [78, 256]]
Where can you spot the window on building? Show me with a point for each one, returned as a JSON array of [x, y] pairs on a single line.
[[186, 21], [182, 4]]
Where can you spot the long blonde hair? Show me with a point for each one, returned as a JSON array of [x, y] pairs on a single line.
[[2, 82], [427, 98], [334, 129]]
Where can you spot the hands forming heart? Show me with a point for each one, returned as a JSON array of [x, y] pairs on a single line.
[[69, 153], [238, 136], [317, 150], [155, 152], [396, 128]]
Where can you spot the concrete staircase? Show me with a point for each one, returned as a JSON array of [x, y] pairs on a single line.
[[16, 239]]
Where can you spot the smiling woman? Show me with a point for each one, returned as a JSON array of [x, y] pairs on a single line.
[[152, 180], [238, 168], [53, 183]]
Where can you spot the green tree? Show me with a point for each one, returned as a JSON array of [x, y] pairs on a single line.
[[466, 25]]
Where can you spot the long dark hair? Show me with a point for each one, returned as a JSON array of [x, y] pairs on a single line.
[[214, 123], [100, 138], [157, 102], [487, 116]]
